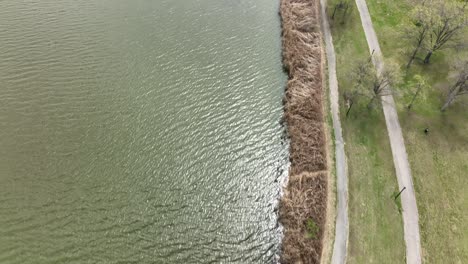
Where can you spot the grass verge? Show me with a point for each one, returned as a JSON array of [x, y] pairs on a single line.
[[329, 236]]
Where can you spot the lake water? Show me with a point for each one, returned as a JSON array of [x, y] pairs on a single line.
[[140, 131]]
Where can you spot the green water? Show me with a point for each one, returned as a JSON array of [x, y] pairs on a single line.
[[140, 131]]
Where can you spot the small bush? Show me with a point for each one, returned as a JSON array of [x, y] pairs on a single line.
[[312, 229]]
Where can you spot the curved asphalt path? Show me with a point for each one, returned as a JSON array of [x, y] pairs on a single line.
[[342, 225], [400, 157]]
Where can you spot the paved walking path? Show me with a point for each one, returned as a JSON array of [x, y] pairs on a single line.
[[400, 158], [342, 225]]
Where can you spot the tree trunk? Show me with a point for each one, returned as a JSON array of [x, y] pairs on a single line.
[[447, 104], [414, 97], [428, 57], [349, 108], [451, 97], [412, 57]]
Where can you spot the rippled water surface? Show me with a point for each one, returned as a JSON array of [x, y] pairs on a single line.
[[140, 131]]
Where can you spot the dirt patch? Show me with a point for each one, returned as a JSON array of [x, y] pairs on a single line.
[[305, 199]]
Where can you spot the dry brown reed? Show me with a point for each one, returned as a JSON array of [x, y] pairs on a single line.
[[303, 200], [306, 194]]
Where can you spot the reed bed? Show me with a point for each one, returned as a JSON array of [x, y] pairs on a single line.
[[305, 196]]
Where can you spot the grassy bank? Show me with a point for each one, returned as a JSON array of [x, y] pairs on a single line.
[[303, 208], [439, 161], [329, 236], [376, 231]]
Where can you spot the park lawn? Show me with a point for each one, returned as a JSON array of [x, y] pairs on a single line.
[[439, 161], [376, 230]]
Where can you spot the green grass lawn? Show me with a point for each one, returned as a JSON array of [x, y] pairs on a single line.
[[439, 161], [376, 231]]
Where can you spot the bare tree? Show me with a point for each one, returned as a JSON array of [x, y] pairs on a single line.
[[460, 87], [446, 20], [418, 28], [368, 83], [382, 84], [362, 77]]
